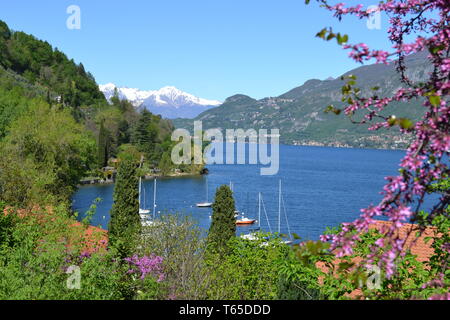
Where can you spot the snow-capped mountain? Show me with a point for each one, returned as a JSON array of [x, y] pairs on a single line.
[[169, 102]]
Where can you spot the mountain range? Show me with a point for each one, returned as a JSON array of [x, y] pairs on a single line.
[[169, 102], [299, 113]]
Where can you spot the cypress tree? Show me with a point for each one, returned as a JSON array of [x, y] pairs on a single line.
[[103, 147], [223, 226], [125, 223]]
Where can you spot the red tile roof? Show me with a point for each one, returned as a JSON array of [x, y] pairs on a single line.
[[418, 245]]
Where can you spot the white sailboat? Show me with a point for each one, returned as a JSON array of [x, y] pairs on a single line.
[[280, 203], [205, 204], [143, 212], [154, 199], [146, 219]]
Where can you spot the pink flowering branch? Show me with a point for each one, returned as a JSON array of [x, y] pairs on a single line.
[[426, 160]]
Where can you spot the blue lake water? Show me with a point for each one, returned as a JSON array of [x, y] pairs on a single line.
[[321, 187]]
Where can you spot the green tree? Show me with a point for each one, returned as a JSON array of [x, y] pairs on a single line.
[[249, 271], [103, 146], [44, 156], [5, 34], [125, 225], [223, 226], [166, 165], [145, 134], [123, 135]]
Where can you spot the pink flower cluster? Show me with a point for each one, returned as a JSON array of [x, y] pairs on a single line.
[[146, 266]]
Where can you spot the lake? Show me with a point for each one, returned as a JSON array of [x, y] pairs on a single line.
[[321, 187]]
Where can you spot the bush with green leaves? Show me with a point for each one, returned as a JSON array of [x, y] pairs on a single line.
[[249, 271], [181, 244], [44, 156]]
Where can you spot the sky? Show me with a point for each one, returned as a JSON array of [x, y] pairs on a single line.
[[210, 48]]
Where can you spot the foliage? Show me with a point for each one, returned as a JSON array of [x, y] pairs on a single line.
[[249, 271], [44, 156], [7, 224], [33, 265], [180, 243], [103, 147], [223, 225], [166, 165], [125, 222], [12, 105], [146, 273], [151, 135], [129, 152], [90, 213]]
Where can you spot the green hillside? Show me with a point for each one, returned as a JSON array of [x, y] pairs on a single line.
[[56, 126], [299, 113]]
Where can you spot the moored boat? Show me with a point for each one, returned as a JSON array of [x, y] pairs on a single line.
[[205, 204], [245, 221]]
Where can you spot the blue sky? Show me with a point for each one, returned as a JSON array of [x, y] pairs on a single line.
[[210, 48]]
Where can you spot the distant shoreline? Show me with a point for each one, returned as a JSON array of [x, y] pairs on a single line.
[[345, 147]]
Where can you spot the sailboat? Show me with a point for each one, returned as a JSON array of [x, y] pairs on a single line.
[[253, 235], [245, 221], [143, 212], [146, 220], [280, 203], [205, 204]]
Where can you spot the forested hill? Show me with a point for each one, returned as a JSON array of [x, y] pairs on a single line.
[[40, 64], [299, 113], [56, 127]]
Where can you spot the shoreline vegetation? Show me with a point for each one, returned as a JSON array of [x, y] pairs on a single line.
[[100, 181]]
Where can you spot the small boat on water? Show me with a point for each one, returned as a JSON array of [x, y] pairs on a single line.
[[145, 214], [245, 222], [205, 204]]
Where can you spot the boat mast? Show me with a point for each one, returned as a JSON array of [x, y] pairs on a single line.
[[154, 199], [145, 199], [279, 209], [206, 189], [259, 210], [140, 180], [140, 187]]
